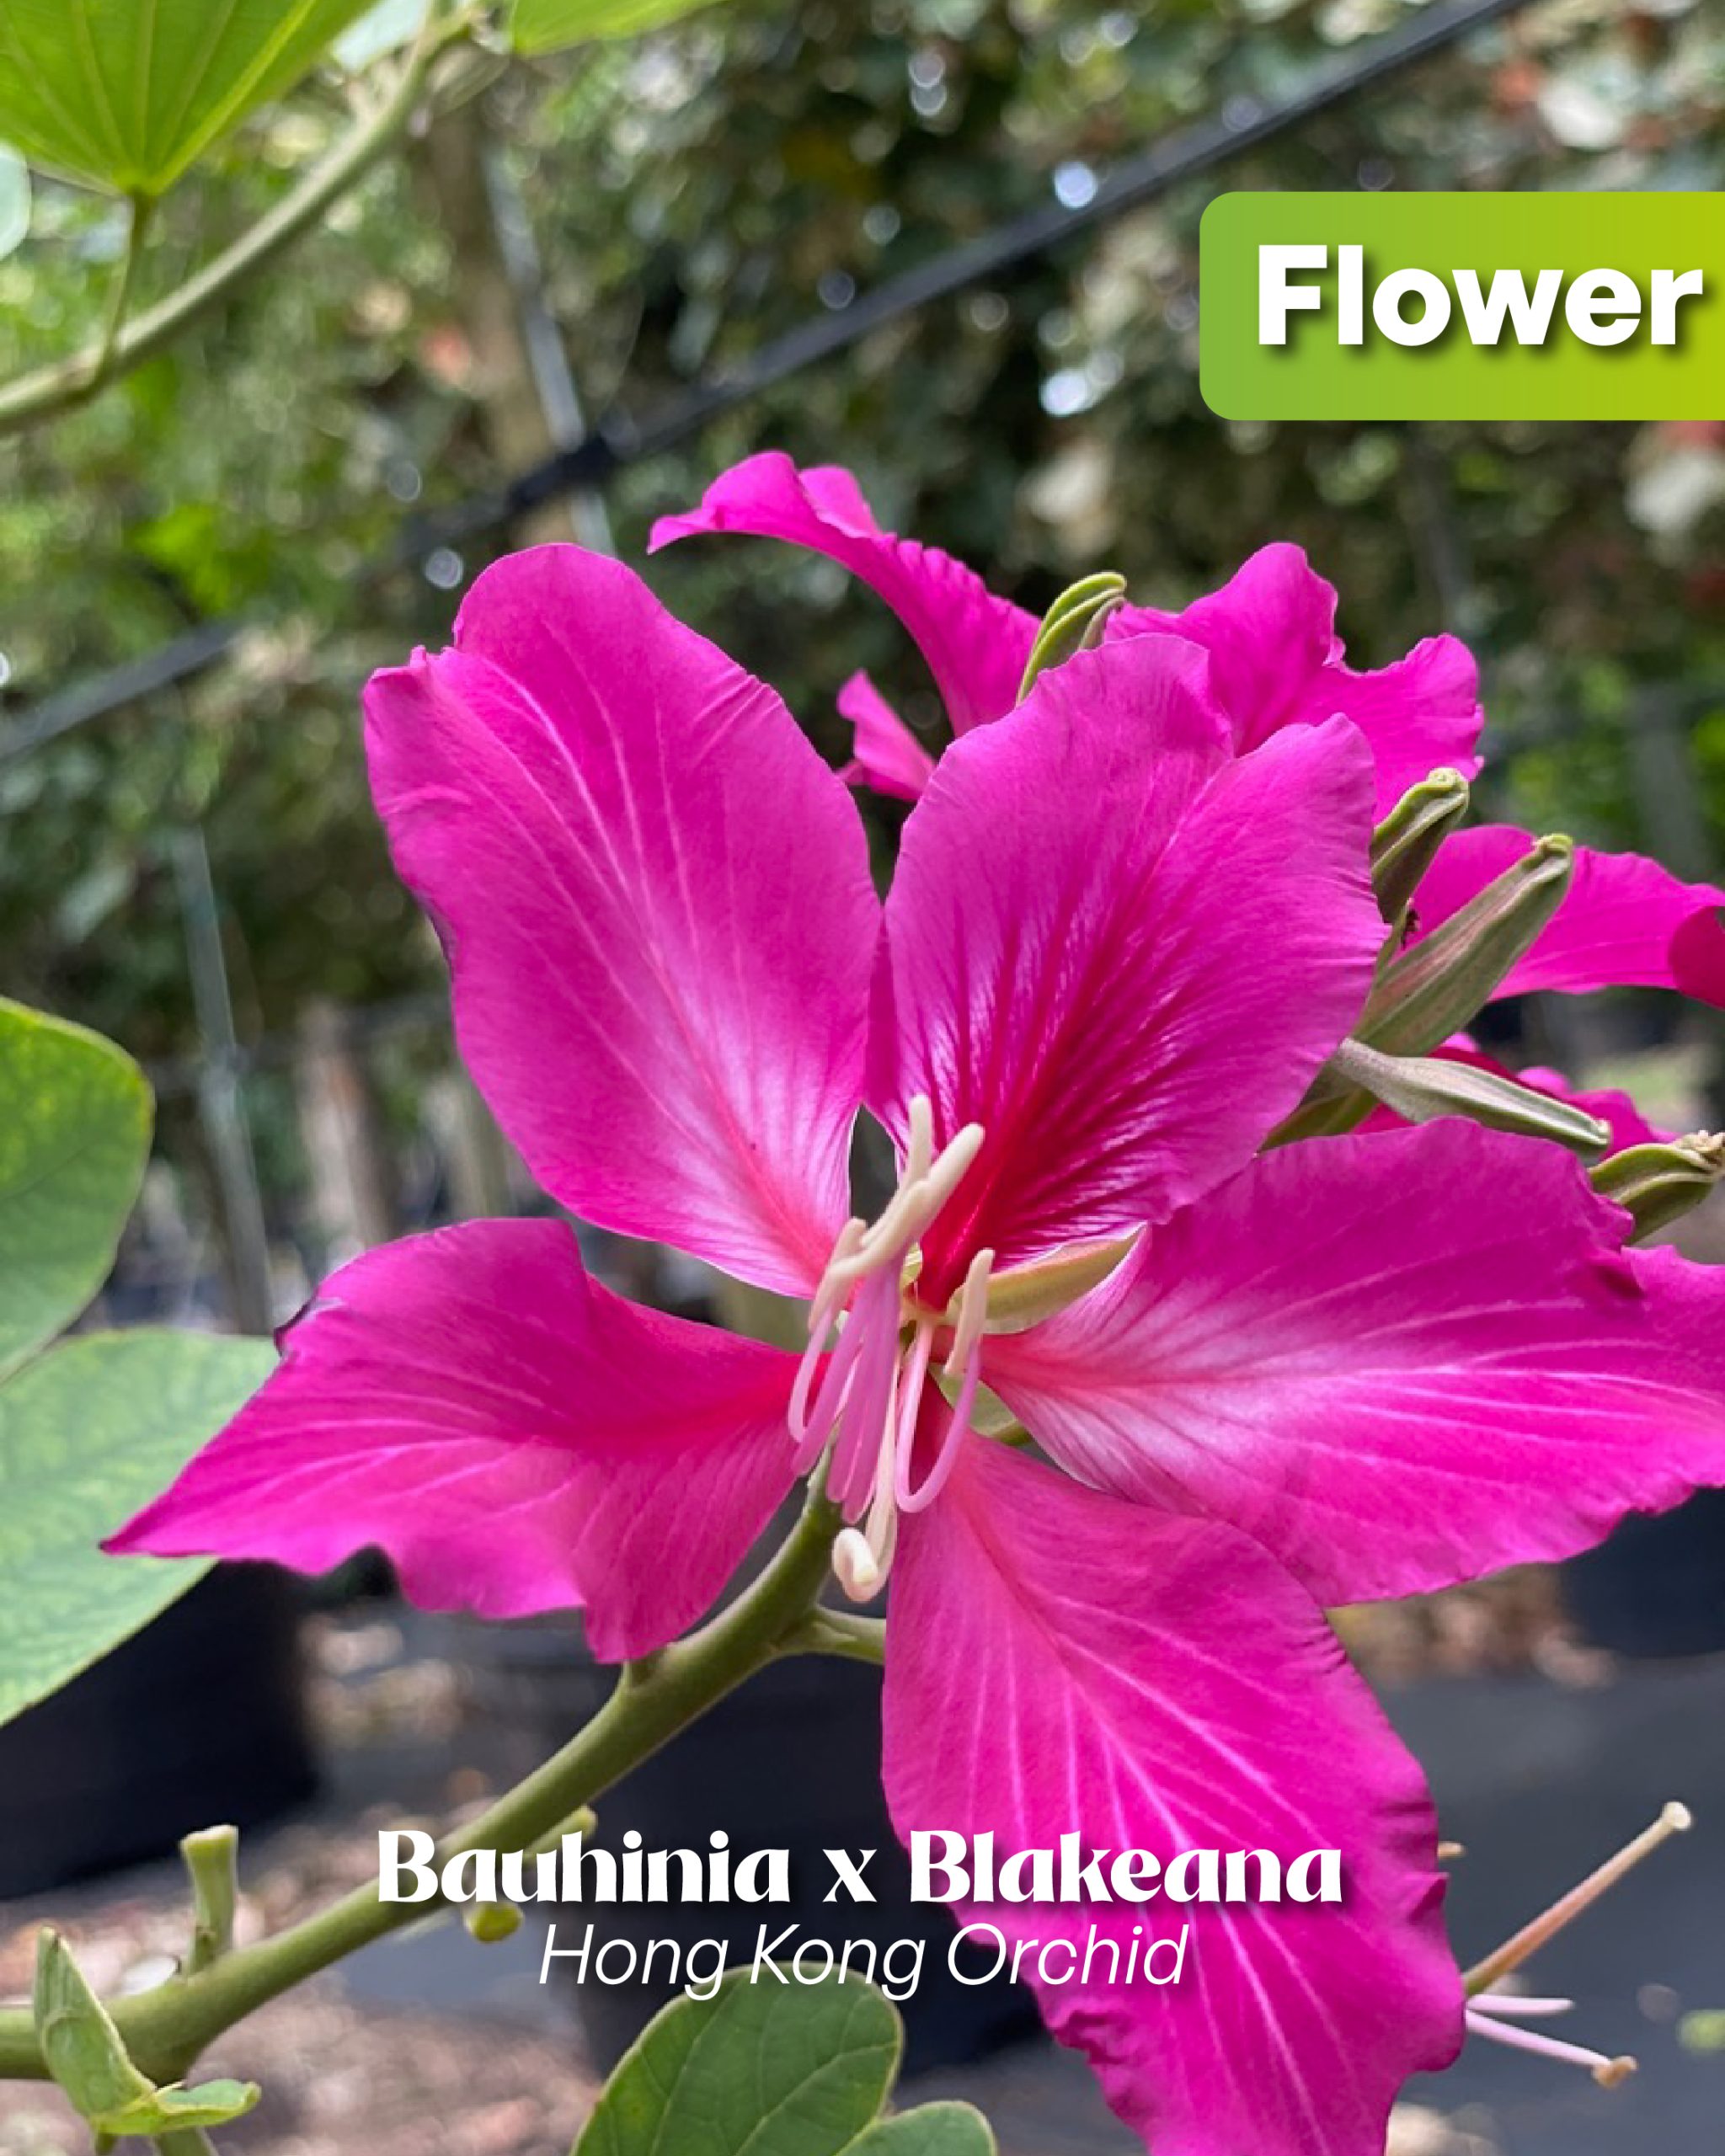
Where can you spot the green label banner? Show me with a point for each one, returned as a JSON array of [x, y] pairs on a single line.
[[1463, 307]]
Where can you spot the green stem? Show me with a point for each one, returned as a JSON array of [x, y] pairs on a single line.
[[124, 345], [165, 2030], [139, 223], [839, 1632], [212, 1866]]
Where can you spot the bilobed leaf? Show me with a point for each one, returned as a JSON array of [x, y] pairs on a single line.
[[930, 2130], [547, 25], [125, 94], [88, 1431], [74, 1136], [769, 2069]]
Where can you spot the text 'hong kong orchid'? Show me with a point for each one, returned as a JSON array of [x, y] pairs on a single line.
[[1120, 942]]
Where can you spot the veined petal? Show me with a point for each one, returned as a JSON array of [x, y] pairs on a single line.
[[976, 645], [1060, 1662], [1399, 1361], [516, 1437], [1128, 998], [1276, 661], [656, 901], [1625, 923], [888, 757]]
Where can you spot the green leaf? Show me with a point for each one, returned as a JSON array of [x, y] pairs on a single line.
[[125, 94], [74, 1136], [89, 1432], [14, 201], [82, 2047], [930, 2130], [87, 2058], [176, 2109], [547, 25], [771, 2069]]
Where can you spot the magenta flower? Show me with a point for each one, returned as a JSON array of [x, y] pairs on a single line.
[[1115, 951], [1625, 921], [1275, 661]]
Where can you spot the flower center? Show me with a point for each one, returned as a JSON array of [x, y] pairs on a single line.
[[869, 1401]]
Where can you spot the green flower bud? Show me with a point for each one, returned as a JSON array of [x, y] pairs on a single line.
[[1659, 1184], [1422, 1087], [489, 1922], [1073, 624], [1432, 989], [1404, 845]]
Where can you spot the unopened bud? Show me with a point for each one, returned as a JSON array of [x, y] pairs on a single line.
[[1405, 845], [1436, 986], [1659, 1184], [1703, 2029], [1420, 1088], [1073, 624], [1023, 1295], [492, 1922]]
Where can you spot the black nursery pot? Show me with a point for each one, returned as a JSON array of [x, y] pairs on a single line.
[[196, 1720], [791, 1761], [1657, 1588]]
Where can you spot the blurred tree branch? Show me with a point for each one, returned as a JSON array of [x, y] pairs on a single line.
[[123, 345]]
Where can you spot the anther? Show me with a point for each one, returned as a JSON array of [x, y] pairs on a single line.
[[1497, 2015], [1482, 2019], [1675, 1819]]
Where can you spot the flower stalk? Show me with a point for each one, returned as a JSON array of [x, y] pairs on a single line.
[[163, 2030]]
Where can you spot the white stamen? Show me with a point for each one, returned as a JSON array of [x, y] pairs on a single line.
[[1607, 2072], [1673, 1819], [1494, 2013], [973, 1313], [854, 1566], [871, 1392]]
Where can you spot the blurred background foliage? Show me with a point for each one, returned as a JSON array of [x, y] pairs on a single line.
[[690, 194]]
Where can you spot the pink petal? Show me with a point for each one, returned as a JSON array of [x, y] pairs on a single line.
[[1128, 998], [514, 1436], [1059, 1663], [656, 901], [976, 645], [1625, 922], [1276, 661], [889, 756], [1398, 1361]]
